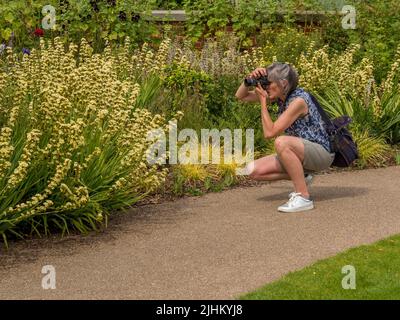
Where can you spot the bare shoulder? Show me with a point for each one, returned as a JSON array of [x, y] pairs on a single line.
[[299, 106]]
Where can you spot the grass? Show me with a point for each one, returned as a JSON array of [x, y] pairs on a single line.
[[377, 268]]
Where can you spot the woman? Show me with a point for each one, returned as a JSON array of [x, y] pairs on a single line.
[[304, 149]]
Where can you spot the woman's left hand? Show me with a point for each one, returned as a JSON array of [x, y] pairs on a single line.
[[262, 94]]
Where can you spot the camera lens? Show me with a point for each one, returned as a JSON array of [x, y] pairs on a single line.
[[249, 82]]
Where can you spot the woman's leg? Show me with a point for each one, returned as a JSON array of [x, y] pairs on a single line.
[[291, 153], [267, 168]]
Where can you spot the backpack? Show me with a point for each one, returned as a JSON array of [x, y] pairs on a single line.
[[342, 142]]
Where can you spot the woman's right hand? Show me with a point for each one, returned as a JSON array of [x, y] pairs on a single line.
[[257, 73]]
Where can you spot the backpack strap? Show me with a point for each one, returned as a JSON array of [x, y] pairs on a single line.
[[330, 127]]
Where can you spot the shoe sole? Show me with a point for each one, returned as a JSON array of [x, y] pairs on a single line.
[[309, 207]]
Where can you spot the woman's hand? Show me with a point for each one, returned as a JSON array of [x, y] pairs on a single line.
[[257, 73], [262, 95]]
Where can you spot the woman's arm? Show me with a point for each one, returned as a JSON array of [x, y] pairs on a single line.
[[243, 94], [272, 129]]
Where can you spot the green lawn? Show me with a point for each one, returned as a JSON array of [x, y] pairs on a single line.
[[377, 268]]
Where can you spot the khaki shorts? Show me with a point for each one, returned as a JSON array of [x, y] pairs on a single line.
[[316, 158]]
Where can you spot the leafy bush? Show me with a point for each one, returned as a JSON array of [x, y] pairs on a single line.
[[211, 76], [383, 122], [372, 150], [287, 44], [397, 159], [208, 18], [199, 178], [378, 22], [320, 70], [72, 148], [169, 4], [96, 21]]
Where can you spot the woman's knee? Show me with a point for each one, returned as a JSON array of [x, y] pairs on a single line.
[[281, 143], [294, 144]]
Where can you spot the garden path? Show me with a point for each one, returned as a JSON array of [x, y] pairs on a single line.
[[215, 246]]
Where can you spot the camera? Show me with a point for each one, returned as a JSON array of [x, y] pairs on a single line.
[[263, 81]]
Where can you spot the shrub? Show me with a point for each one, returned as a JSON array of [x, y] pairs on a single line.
[[287, 43], [96, 21], [73, 148], [320, 70], [199, 178], [205, 16], [347, 88], [397, 159], [380, 116], [169, 4], [209, 18], [377, 32], [372, 150]]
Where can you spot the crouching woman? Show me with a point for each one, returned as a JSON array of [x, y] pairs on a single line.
[[304, 149]]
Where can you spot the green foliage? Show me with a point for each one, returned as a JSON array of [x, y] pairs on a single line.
[[250, 16], [378, 22], [246, 116], [336, 105], [377, 25], [195, 179], [169, 4], [372, 150], [186, 89], [220, 96], [207, 16], [247, 18], [287, 43], [182, 77], [386, 124], [21, 18], [397, 159], [97, 21], [149, 92], [70, 149]]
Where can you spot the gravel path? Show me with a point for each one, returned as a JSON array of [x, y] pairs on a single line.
[[216, 246]]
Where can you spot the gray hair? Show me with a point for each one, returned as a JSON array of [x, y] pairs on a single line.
[[277, 72]]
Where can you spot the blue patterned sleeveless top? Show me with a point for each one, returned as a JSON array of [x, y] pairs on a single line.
[[309, 127]]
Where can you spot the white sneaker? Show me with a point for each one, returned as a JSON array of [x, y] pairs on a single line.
[[297, 203], [309, 178]]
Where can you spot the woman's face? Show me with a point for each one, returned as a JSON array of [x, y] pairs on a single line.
[[274, 91]]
